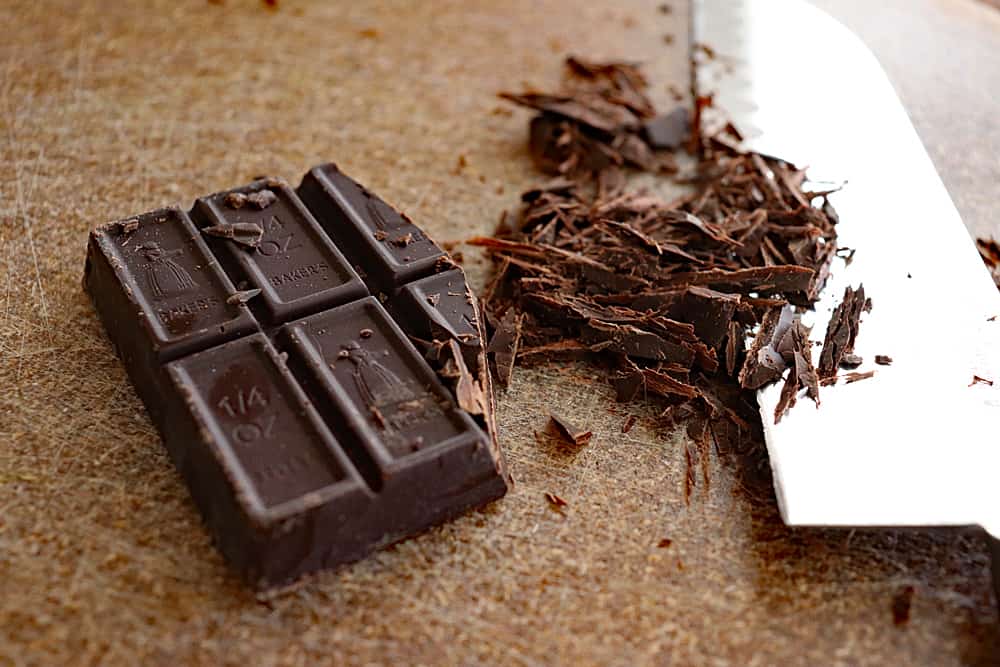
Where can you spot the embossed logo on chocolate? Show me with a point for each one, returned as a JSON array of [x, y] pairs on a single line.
[[396, 405], [164, 276], [242, 399], [277, 240]]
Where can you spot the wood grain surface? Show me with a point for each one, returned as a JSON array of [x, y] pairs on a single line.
[[110, 109]]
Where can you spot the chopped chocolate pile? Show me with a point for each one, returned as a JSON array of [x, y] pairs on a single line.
[[990, 252], [663, 295]]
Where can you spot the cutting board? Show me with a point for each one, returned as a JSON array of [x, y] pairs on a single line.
[[110, 109]]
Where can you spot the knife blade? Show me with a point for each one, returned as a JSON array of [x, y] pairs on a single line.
[[915, 445]]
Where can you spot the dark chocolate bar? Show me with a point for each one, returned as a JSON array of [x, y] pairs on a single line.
[[311, 423]]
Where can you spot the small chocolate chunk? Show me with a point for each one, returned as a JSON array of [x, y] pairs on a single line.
[[851, 361], [261, 199], [842, 330], [570, 433]]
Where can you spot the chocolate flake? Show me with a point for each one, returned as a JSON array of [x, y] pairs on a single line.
[[503, 345], [570, 433], [245, 233], [980, 380], [242, 296], [883, 360], [261, 199]]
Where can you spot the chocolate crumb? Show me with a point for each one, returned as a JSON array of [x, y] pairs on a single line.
[[235, 200], [629, 423], [261, 199], [901, 604], [555, 501], [403, 240], [883, 360], [126, 227], [664, 543]]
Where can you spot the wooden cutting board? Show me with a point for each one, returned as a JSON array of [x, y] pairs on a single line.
[[110, 109]]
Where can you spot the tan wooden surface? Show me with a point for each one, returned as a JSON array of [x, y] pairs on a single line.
[[109, 109]]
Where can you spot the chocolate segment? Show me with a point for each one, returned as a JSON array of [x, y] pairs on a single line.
[[357, 360], [383, 243], [288, 258], [167, 277], [233, 394], [262, 430]]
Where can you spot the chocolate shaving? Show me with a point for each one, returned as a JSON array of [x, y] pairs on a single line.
[[980, 380], [503, 345], [848, 378], [570, 433], [242, 296], [629, 423], [245, 233]]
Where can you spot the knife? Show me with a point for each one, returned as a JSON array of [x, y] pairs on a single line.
[[917, 444]]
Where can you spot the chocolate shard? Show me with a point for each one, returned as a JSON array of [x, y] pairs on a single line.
[[242, 296], [245, 233], [842, 330], [709, 311], [503, 345], [591, 110], [796, 350], [633, 341], [569, 432]]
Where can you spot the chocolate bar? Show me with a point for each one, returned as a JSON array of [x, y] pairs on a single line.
[[314, 363]]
